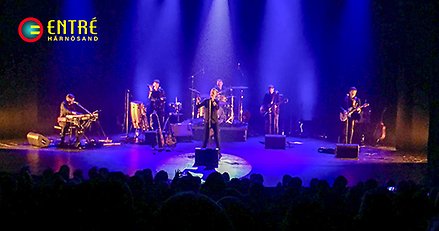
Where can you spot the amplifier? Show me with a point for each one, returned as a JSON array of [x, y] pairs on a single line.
[[347, 150], [151, 138], [275, 141], [182, 132], [180, 129]]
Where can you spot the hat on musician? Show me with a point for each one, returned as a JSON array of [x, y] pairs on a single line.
[[156, 81], [70, 96], [352, 89], [270, 86]]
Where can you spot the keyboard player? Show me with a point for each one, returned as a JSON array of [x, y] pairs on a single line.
[[68, 107]]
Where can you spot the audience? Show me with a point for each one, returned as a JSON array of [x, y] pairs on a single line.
[[112, 200]]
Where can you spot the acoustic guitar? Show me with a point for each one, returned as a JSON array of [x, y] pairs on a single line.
[[380, 131]]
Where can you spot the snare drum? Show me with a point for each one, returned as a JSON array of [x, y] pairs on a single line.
[[138, 115]]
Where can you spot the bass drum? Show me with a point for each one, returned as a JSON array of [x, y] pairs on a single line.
[[222, 116], [138, 115]]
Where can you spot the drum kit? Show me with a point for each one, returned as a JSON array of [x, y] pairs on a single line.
[[140, 120], [230, 102]]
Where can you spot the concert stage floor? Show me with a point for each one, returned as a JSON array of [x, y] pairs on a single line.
[[300, 158]]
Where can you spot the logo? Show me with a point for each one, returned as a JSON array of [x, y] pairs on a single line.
[[60, 30], [30, 29]]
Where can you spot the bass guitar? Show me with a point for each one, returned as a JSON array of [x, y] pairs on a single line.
[[345, 114]]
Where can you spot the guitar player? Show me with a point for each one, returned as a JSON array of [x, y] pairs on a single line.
[[270, 110], [350, 115]]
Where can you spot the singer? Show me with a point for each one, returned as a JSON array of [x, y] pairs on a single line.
[[68, 107], [211, 106], [157, 103], [270, 110]]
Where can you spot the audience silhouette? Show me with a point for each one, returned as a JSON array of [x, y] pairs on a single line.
[[108, 200]]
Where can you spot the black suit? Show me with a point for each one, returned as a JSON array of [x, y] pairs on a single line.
[[270, 106], [157, 103], [210, 120]]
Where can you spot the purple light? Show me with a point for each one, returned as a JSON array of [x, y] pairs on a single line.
[[285, 59], [215, 52]]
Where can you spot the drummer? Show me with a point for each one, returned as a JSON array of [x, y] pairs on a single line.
[[222, 92]]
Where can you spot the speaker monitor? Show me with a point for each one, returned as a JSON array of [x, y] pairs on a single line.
[[347, 150], [151, 138], [275, 141], [206, 157], [37, 140]]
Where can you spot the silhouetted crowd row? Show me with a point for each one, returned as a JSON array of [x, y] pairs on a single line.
[[105, 200]]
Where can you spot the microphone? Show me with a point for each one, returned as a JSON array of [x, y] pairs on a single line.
[[239, 66], [77, 103]]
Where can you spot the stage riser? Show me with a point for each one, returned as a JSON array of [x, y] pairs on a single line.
[[226, 134]]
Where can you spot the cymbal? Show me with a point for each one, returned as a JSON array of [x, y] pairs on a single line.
[[176, 114], [194, 90], [239, 87]]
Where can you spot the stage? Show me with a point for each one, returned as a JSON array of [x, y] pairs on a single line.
[[240, 159]]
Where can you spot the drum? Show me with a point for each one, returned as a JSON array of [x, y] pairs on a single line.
[[222, 115], [176, 106], [138, 115], [222, 98]]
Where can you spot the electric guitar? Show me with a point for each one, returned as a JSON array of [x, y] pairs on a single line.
[[344, 115], [267, 109]]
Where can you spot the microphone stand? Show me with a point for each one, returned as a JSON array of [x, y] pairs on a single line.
[[193, 96], [239, 68], [96, 120], [126, 113], [85, 109]]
